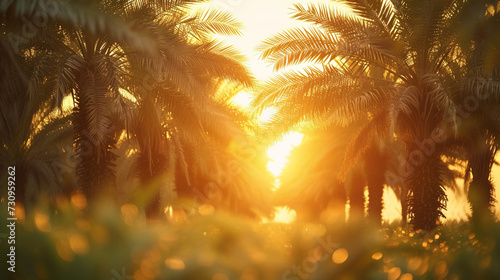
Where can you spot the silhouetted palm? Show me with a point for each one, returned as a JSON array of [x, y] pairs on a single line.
[[32, 138], [480, 129], [172, 114], [87, 42], [477, 102]]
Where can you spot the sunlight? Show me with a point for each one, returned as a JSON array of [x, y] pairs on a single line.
[[279, 152], [267, 115], [284, 215], [67, 103], [243, 99], [126, 94], [392, 207]]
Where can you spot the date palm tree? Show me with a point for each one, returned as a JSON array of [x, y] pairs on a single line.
[[389, 63], [33, 139], [173, 112], [224, 169], [87, 42], [477, 100], [99, 47]]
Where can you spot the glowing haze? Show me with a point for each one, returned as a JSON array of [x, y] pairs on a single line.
[[261, 19]]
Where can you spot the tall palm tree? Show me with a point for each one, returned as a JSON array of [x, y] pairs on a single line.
[[178, 103], [32, 136], [480, 189], [87, 40], [389, 63], [479, 138], [233, 173], [98, 50], [480, 130], [199, 144]]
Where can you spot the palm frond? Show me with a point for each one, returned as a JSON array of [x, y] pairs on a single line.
[[215, 22]]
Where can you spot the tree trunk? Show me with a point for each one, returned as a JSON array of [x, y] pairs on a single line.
[[334, 212], [95, 168], [427, 197], [357, 195], [375, 167], [481, 191], [375, 201], [404, 205], [151, 181], [94, 134], [153, 207], [152, 162]]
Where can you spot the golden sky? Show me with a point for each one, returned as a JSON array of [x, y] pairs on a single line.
[[261, 20]]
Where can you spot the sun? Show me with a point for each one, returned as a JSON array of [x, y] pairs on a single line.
[[278, 153], [284, 215], [259, 24]]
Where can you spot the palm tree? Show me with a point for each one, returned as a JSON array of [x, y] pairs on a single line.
[[177, 104], [100, 48], [478, 135], [481, 158], [32, 137], [388, 63], [477, 97], [237, 178], [86, 41], [198, 144], [315, 163]]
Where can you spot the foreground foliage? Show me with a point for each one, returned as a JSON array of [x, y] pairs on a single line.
[[116, 243]]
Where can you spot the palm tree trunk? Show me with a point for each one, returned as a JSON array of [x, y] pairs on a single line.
[[94, 139], [357, 196], [375, 200], [151, 181], [404, 205], [95, 166], [427, 197], [481, 191], [152, 161], [375, 167]]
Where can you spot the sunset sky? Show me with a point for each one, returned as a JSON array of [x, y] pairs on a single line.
[[261, 19]]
